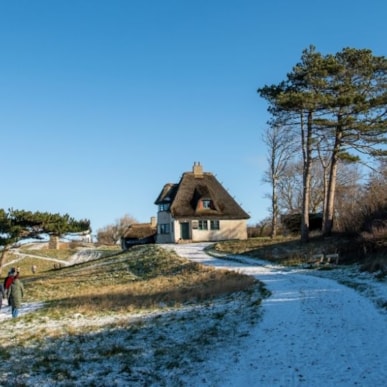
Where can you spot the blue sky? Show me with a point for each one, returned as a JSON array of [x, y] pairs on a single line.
[[103, 102]]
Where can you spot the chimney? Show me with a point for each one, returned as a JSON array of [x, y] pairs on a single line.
[[197, 169], [153, 221]]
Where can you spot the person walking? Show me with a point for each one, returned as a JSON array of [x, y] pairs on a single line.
[[15, 296], [8, 282]]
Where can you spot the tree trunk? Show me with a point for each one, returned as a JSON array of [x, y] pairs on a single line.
[[274, 210], [305, 206], [53, 243], [330, 206], [307, 156], [329, 215], [325, 193]]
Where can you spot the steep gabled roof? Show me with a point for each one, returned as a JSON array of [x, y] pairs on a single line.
[[195, 186], [167, 194]]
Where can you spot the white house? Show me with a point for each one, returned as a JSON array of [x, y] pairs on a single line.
[[198, 208]]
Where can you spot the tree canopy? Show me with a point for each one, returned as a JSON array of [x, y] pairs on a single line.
[[338, 105], [16, 225]]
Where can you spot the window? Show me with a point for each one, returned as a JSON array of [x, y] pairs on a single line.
[[203, 225], [206, 203], [163, 207], [214, 224], [164, 228]]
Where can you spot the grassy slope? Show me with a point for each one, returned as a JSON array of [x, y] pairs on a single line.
[[371, 252], [132, 317], [90, 332], [143, 278]]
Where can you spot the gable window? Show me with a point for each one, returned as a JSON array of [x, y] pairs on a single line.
[[214, 225], [206, 204], [164, 228], [163, 207], [203, 225]]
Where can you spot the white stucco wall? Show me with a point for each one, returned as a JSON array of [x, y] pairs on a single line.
[[228, 229]]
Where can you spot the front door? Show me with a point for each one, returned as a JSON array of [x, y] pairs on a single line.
[[184, 230]]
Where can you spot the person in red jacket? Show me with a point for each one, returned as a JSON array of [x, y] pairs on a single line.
[[8, 281]]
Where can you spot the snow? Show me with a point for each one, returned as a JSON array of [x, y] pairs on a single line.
[[314, 331], [311, 331]]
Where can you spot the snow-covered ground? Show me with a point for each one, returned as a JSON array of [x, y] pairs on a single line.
[[311, 331], [314, 331]]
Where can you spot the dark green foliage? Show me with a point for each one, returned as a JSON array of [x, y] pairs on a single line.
[[338, 105], [16, 225]]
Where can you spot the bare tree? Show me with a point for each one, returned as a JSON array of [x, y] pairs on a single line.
[[374, 205], [348, 198], [290, 189], [280, 145], [112, 233]]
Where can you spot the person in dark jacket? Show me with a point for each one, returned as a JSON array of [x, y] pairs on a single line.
[[16, 295]]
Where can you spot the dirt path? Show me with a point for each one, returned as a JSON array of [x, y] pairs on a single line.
[[313, 331], [82, 255]]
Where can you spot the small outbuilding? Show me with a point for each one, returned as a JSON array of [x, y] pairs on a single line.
[[139, 234]]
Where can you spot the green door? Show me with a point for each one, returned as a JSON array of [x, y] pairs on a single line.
[[184, 230]]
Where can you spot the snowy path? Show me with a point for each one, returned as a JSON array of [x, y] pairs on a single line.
[[314, 332]]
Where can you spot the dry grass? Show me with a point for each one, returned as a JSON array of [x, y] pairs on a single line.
[[252, 244], [62, 253], [152, 294], [285, 250], [377, 264], [143, 278], [45, 259], [86, 331], [369, 250]]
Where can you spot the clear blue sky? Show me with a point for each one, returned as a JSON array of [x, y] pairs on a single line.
[[103, 102]]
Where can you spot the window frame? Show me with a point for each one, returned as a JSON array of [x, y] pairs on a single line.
[[203, 225], [214, 224], [164, 207], [207, 204], [164, 229]]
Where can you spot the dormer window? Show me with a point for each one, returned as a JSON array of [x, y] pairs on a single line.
[[207, 204]]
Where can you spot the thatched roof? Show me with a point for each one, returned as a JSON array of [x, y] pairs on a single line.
[[196, 186], [140, 230]]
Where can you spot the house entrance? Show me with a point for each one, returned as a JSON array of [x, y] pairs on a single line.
[[184, 230]]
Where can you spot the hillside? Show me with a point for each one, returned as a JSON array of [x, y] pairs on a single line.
[[102, 304], [285, 335], [367, 250]]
